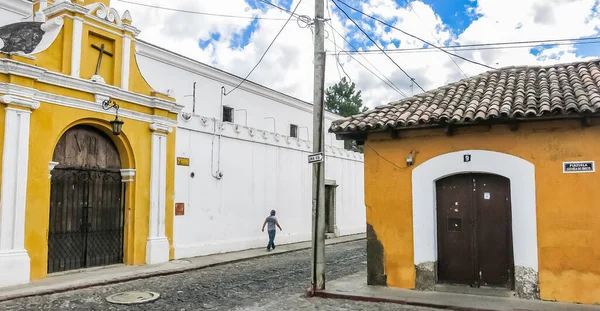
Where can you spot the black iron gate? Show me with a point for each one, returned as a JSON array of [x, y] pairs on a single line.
[[86, 219]]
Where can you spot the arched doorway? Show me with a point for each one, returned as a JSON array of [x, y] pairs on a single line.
[[86, 202], [474, 230]]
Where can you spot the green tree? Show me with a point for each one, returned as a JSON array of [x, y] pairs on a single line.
[[342, 98]]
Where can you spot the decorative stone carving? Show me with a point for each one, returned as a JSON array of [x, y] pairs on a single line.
[[127, 175], [107, 14], [20, 101], [51, 166], [158, 127]]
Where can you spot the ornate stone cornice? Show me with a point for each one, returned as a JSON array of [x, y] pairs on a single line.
[[20, 101], [8, 66], [127, 175], [161, 128]]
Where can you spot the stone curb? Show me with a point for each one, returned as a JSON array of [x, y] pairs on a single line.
[[146, 275], [338, 295]]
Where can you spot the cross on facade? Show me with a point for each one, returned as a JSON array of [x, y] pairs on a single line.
[[102, 52]]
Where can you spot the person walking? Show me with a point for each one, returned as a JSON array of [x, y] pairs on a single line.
[[272, 221]]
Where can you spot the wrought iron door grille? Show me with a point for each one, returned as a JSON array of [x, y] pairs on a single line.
[[86, 219]]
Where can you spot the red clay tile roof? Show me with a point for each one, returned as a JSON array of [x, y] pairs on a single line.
[[504, 94]]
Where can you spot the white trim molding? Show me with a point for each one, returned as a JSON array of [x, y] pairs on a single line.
[[21, 7], [20, 101], [51, 30], [76, 47], [127, 175], [522, 187], [14, 261], [51, 166], [157, 246], [148, 50], [110, 20], [523, 200], [162, 128], [126, 63], [11, 67]]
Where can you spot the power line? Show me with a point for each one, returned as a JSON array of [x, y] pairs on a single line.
[[390, 84], [201, 13], [378, 77], [377, 45], [267, 50], [475, 47], [411, 35], [436, 39], [281, 8], [335, 46]]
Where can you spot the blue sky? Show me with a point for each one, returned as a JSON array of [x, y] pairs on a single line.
[[235, 45], [456, 15]]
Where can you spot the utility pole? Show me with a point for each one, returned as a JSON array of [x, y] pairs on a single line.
[[318, 180]]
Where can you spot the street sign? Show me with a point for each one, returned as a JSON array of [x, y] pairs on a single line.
[[315, 158], [579, 167]]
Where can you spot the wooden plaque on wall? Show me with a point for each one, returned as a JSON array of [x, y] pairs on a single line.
[[179, 209]]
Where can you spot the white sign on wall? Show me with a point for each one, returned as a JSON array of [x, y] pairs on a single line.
[[579, 167], [315, 158]]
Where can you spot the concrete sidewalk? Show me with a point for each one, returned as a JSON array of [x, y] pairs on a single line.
[[122, 273], [354, 287]]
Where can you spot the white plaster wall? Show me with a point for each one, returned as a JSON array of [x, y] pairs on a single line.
[[260, 174], [12, 11], [263, 168], [164, 70]]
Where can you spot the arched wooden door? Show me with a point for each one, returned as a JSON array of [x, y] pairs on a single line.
[[474, 230], [86, 202]]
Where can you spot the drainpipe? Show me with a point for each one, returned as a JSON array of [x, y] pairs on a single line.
[[218, 174], [245, 114], [274, 127]]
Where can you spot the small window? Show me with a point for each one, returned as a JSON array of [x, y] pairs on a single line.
[[293, 130], [227, 114]]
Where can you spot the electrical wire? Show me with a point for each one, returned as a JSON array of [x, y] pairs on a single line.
[[267, 50], [201, 13], [388, 83], [335, 46], [458, 48], [436, 39], [377, 45], [281, 8], [378, 77], [411, 35], [533, 42]]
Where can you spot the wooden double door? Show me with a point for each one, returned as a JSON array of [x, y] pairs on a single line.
[[474, 231]]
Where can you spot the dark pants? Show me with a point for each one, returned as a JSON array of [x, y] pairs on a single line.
[[271, 239]]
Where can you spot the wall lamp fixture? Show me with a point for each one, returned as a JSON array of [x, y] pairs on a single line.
[[116, 124]]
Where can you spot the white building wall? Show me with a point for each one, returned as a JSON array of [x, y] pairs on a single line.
[[12, 11], [168, 71], [260, 173], [262, 167]]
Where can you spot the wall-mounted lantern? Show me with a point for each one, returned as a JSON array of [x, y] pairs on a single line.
[[116, 124], [411, 157]]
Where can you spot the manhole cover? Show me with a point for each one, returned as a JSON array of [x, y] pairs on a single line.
[[133, 297]]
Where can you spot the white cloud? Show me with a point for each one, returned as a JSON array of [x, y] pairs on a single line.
[[288, 65]]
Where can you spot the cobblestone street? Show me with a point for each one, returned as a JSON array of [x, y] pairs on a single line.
[[268, 283]]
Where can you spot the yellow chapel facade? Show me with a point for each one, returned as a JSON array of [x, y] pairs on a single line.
[[87, 146]]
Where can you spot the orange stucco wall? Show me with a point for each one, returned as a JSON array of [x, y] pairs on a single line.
[[568, 205]]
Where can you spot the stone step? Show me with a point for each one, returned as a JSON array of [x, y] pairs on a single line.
[[481, 291]]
